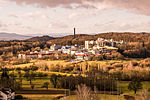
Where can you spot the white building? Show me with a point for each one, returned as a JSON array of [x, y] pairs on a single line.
[[66, 49], [100, 43], [55, 47], [86, 44]]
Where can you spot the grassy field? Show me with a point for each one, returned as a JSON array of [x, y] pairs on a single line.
[[104, 97], [39, 96], [38, 82], [101, 97], [123, 86], [49, 63]]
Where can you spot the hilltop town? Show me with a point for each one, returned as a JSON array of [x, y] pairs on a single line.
[[99, 47]]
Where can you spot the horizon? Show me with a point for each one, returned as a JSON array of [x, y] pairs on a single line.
[[64, 34]]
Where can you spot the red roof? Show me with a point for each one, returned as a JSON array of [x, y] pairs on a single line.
[[82, 55]]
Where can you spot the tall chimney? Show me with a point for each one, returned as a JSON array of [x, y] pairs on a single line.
[[74, 32]]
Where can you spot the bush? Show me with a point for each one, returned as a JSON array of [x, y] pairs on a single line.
[[34, 68], [45, 85], [18, 97], [134, 63], [40, 74]]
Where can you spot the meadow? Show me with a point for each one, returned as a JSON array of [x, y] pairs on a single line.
[[42, 64]]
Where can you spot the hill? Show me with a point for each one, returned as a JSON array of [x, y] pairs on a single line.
[[39, 39], [69, 39], [12, 36], [80, 38]]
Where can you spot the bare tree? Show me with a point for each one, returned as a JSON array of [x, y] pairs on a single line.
[[144, 94], [85, 93]]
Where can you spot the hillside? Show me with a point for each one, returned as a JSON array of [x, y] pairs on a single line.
[[12, 36], [39, 39], [80, 38]]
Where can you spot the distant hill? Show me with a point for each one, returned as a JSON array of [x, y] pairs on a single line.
[[69, 39], [41, 38], [12, 36], [80, 38]]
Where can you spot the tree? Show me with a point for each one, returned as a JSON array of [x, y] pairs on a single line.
[[32, 86], [4, 79], [135, 85], [34, 68], [30, 75], [45, 85], [144, 94], [85, 93], [9, 82], [20, 75], [53, 80]]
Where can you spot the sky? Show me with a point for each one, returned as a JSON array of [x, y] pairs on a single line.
[[59, 17]]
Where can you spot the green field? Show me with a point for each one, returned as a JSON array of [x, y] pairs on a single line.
[[38, 82], [123, 86], [39, 96], [101, 97]]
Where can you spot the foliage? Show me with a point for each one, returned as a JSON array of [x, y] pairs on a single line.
[[144, 94], [45, 85], [18, 97], [102, 82], [85, 93], [135, 85], [30, 75], [9, 81], [54, 79], [32, 86]]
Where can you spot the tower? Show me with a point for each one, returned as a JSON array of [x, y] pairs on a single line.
[[74, 32]]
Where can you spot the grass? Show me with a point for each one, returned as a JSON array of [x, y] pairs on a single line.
[[101, 96], [38, 83], [39, 96], [123, 86], [63, 62]]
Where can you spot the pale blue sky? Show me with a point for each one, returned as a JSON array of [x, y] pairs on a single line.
[[30, 19]]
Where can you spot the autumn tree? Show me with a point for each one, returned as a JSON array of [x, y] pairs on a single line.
[[135, 85]]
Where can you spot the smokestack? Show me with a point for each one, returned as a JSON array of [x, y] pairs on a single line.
[[74, 32]]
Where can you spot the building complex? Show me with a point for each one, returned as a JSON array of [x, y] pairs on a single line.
[[100, 46]]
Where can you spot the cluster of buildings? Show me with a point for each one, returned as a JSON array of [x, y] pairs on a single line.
[[100, 46]]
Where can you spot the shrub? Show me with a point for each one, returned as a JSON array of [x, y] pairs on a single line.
[[18, 97], [40, 74], [134, 63], [45, 85], [85, 93], [32, 86], [135, 85], [34, 68]]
